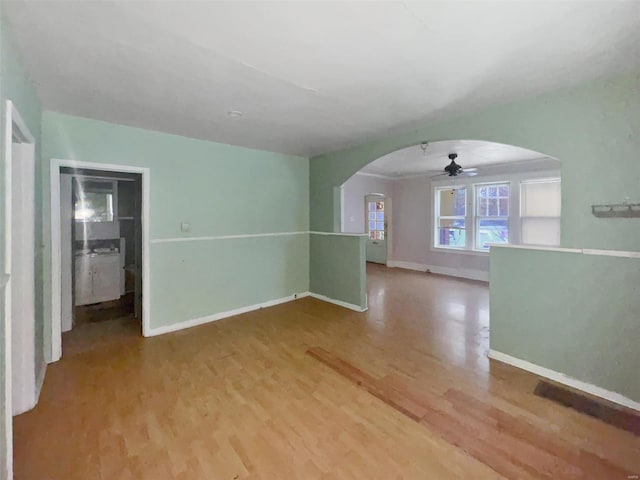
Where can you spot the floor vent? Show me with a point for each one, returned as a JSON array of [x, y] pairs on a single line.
[[620, 417]]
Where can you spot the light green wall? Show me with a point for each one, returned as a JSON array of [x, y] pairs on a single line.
[[225, 275], [593, 129], [572, 313], [16, 86], [220, 190], [337, 267]]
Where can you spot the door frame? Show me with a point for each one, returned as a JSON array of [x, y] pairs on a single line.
[[56, 246], [14, 125]]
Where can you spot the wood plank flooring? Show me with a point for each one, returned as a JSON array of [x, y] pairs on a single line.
[[240, 399], [481, 430], [616, 415]]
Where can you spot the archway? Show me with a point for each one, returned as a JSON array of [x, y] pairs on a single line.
[[504, 194]]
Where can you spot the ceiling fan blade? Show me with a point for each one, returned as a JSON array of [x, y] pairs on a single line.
[[439, 175], [467, 173], [474, 169]]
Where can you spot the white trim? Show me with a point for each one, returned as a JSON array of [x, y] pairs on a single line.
[[194, 322], [610, 253], [350, 306], [339, 234], [219, 316], [4, 279], [564, 379], [12, 116], [376, 175], [56, 248], [536, 247], [584, 251], [460, 251], [251, 235], [342, 207], [468, 273], [225, 237], [418, 267], [8, 374]]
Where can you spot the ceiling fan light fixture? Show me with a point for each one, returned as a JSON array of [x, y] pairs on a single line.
[[453, 168]]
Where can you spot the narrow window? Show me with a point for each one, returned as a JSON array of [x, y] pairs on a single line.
[[540, 211], [492, 215], [451, 211]]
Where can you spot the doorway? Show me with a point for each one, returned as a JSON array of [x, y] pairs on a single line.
[[100, 218], [99, 246], [377, 211]]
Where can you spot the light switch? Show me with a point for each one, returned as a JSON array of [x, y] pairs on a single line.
[[185, 227]]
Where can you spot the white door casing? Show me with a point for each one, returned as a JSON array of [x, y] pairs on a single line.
[[56, 247], [24, 152], [22, 278]]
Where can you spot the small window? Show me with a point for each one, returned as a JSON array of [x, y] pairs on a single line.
[[375, 220], [492, 214], [94, 201], [451, 210], [540, 212]]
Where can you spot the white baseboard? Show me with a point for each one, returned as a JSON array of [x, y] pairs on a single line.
[[407, 265], [350, 306], [194, 322], [565, 379], [238, 311], [467, 273]]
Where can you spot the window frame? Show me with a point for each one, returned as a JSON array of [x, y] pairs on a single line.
[[552, 179], [368, 230], [437, 217], [478, 218], [514, 178]]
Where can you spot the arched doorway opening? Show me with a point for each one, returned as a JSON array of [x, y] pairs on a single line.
[[444, 221]]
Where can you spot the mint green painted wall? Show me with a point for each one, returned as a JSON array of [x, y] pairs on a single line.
[[219, 189], [337, 267], [593, 129], [572, 313], [224, 275], [16, 86]]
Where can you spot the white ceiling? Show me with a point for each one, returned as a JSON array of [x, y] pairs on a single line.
[[471, 154], [311, 77]]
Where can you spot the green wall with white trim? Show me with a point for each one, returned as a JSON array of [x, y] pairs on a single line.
[[16, 86], [545, 308], [337, 267], [220, 190], [593, 129], [569, 312]]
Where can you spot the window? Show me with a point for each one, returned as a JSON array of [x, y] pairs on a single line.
[[451, 211], [375, 220], [540, 211], [492, 215], [94, 201]]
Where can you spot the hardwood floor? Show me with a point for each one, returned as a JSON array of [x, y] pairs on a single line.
[[241, 399]]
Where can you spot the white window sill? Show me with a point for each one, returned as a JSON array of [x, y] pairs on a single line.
[[478, 253]]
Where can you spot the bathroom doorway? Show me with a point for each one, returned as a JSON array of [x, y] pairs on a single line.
[[99, 222]]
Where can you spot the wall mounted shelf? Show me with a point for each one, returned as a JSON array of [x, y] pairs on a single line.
[[616, 210]]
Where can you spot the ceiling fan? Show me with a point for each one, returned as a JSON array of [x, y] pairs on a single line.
[[455, 170]]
